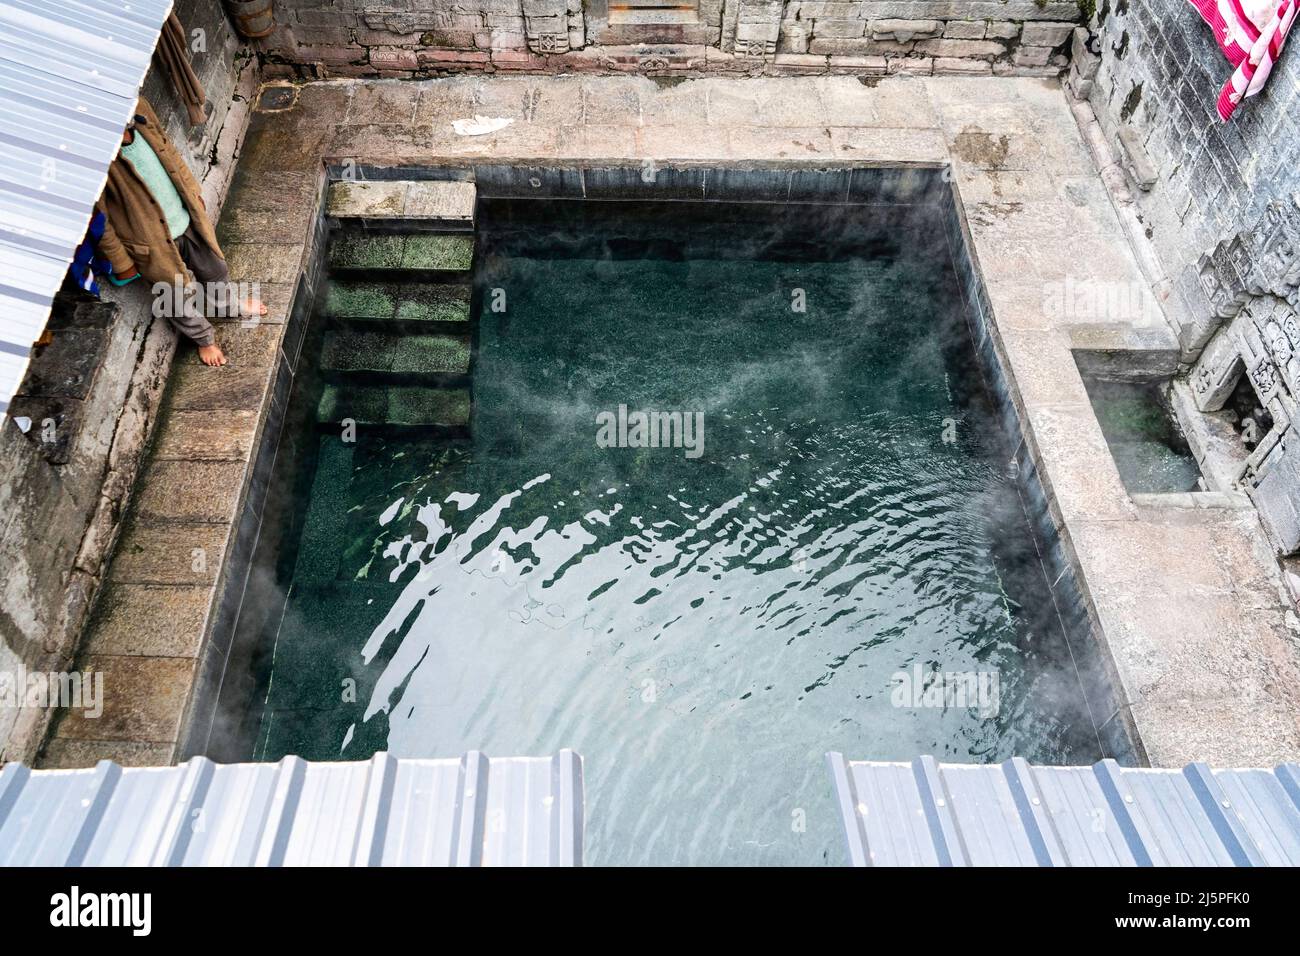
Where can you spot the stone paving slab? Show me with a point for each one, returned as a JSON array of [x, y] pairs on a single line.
[[144, 700], [189, 491], [1193, 618], [196, 387], [248, 343], [201, 436], [263, 261], [179, 554], [61, 753], [149, 620]]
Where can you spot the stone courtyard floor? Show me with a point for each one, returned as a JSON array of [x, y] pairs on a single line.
[[1185, 587]]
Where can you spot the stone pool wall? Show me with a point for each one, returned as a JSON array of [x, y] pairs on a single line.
[[1218, 204], [397, 38], [92, 395]]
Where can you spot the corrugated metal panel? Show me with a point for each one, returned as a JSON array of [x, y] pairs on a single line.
[[1012, 814], [70, 71], [472, 811]]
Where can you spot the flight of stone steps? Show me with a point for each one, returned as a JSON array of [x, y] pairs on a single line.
[[399, 329]]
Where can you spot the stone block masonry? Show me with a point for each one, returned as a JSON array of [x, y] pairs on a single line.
[[397, 38], [95, 391], [1160, 73]]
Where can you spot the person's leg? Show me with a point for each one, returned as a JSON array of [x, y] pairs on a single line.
[[210, 269], [190, 319]]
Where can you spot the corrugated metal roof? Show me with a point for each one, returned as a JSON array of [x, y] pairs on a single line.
[[70, 71], [925, 813], [471, 811]]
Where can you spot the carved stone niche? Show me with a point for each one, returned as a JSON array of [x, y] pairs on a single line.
[[1262, 342], [757, 29], [1270, 337], [1217, 372], [548, 42], [546, 26]]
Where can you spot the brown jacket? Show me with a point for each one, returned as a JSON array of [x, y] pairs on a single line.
[[136, 234]]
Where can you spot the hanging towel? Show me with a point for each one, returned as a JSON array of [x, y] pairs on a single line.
[[1250, 33], [174, 57], [88, 262], [85, 261]]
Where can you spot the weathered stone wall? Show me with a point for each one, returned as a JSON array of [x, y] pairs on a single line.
[[92, 394], [1160, 74], [1218, 204], [425, 37]]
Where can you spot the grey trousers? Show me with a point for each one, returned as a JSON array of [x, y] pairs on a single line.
[[207, 267]]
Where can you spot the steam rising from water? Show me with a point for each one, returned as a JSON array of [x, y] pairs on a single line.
[[704, 631]]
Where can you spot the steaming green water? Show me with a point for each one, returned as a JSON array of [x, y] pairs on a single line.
[[1150, 454], [701, 630]]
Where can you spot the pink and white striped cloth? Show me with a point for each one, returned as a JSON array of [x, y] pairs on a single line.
[[1250, 33]]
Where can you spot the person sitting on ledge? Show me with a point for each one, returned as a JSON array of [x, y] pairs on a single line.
[[157, 226]]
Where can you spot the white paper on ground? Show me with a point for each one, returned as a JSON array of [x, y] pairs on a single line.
[[479, 125]]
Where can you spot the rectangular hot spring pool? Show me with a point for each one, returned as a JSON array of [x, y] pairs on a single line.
[[700, 490]]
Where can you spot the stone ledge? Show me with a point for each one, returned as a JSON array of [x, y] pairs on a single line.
[[199, 436], [61, 753], [175, 554], [147, 620], [1075, 464], [450, 201], [246, 342], [1227, 500], [144, 700], [189, 492], [199, 388]]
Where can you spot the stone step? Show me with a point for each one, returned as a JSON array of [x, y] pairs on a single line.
[[348, 350], [362, 251], [398, 301], [403, 406], [449, 202], [320, 545]]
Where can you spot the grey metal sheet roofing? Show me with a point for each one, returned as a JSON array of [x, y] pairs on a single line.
[[925, 813], [70, 71], [471, 811]]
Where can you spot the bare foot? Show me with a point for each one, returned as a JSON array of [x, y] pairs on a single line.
[[253, 307], [212, 355]]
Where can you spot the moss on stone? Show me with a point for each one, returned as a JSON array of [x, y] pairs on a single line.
[[421, 251], [409, 302], [361, 251], [348, 351], [421, 406], [397, 405], [438, 252]]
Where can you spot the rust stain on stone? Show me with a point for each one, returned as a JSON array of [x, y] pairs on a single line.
[[980, 148], [986, 213]]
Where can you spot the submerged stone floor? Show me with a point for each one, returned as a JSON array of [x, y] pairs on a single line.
[[1188, 594]]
